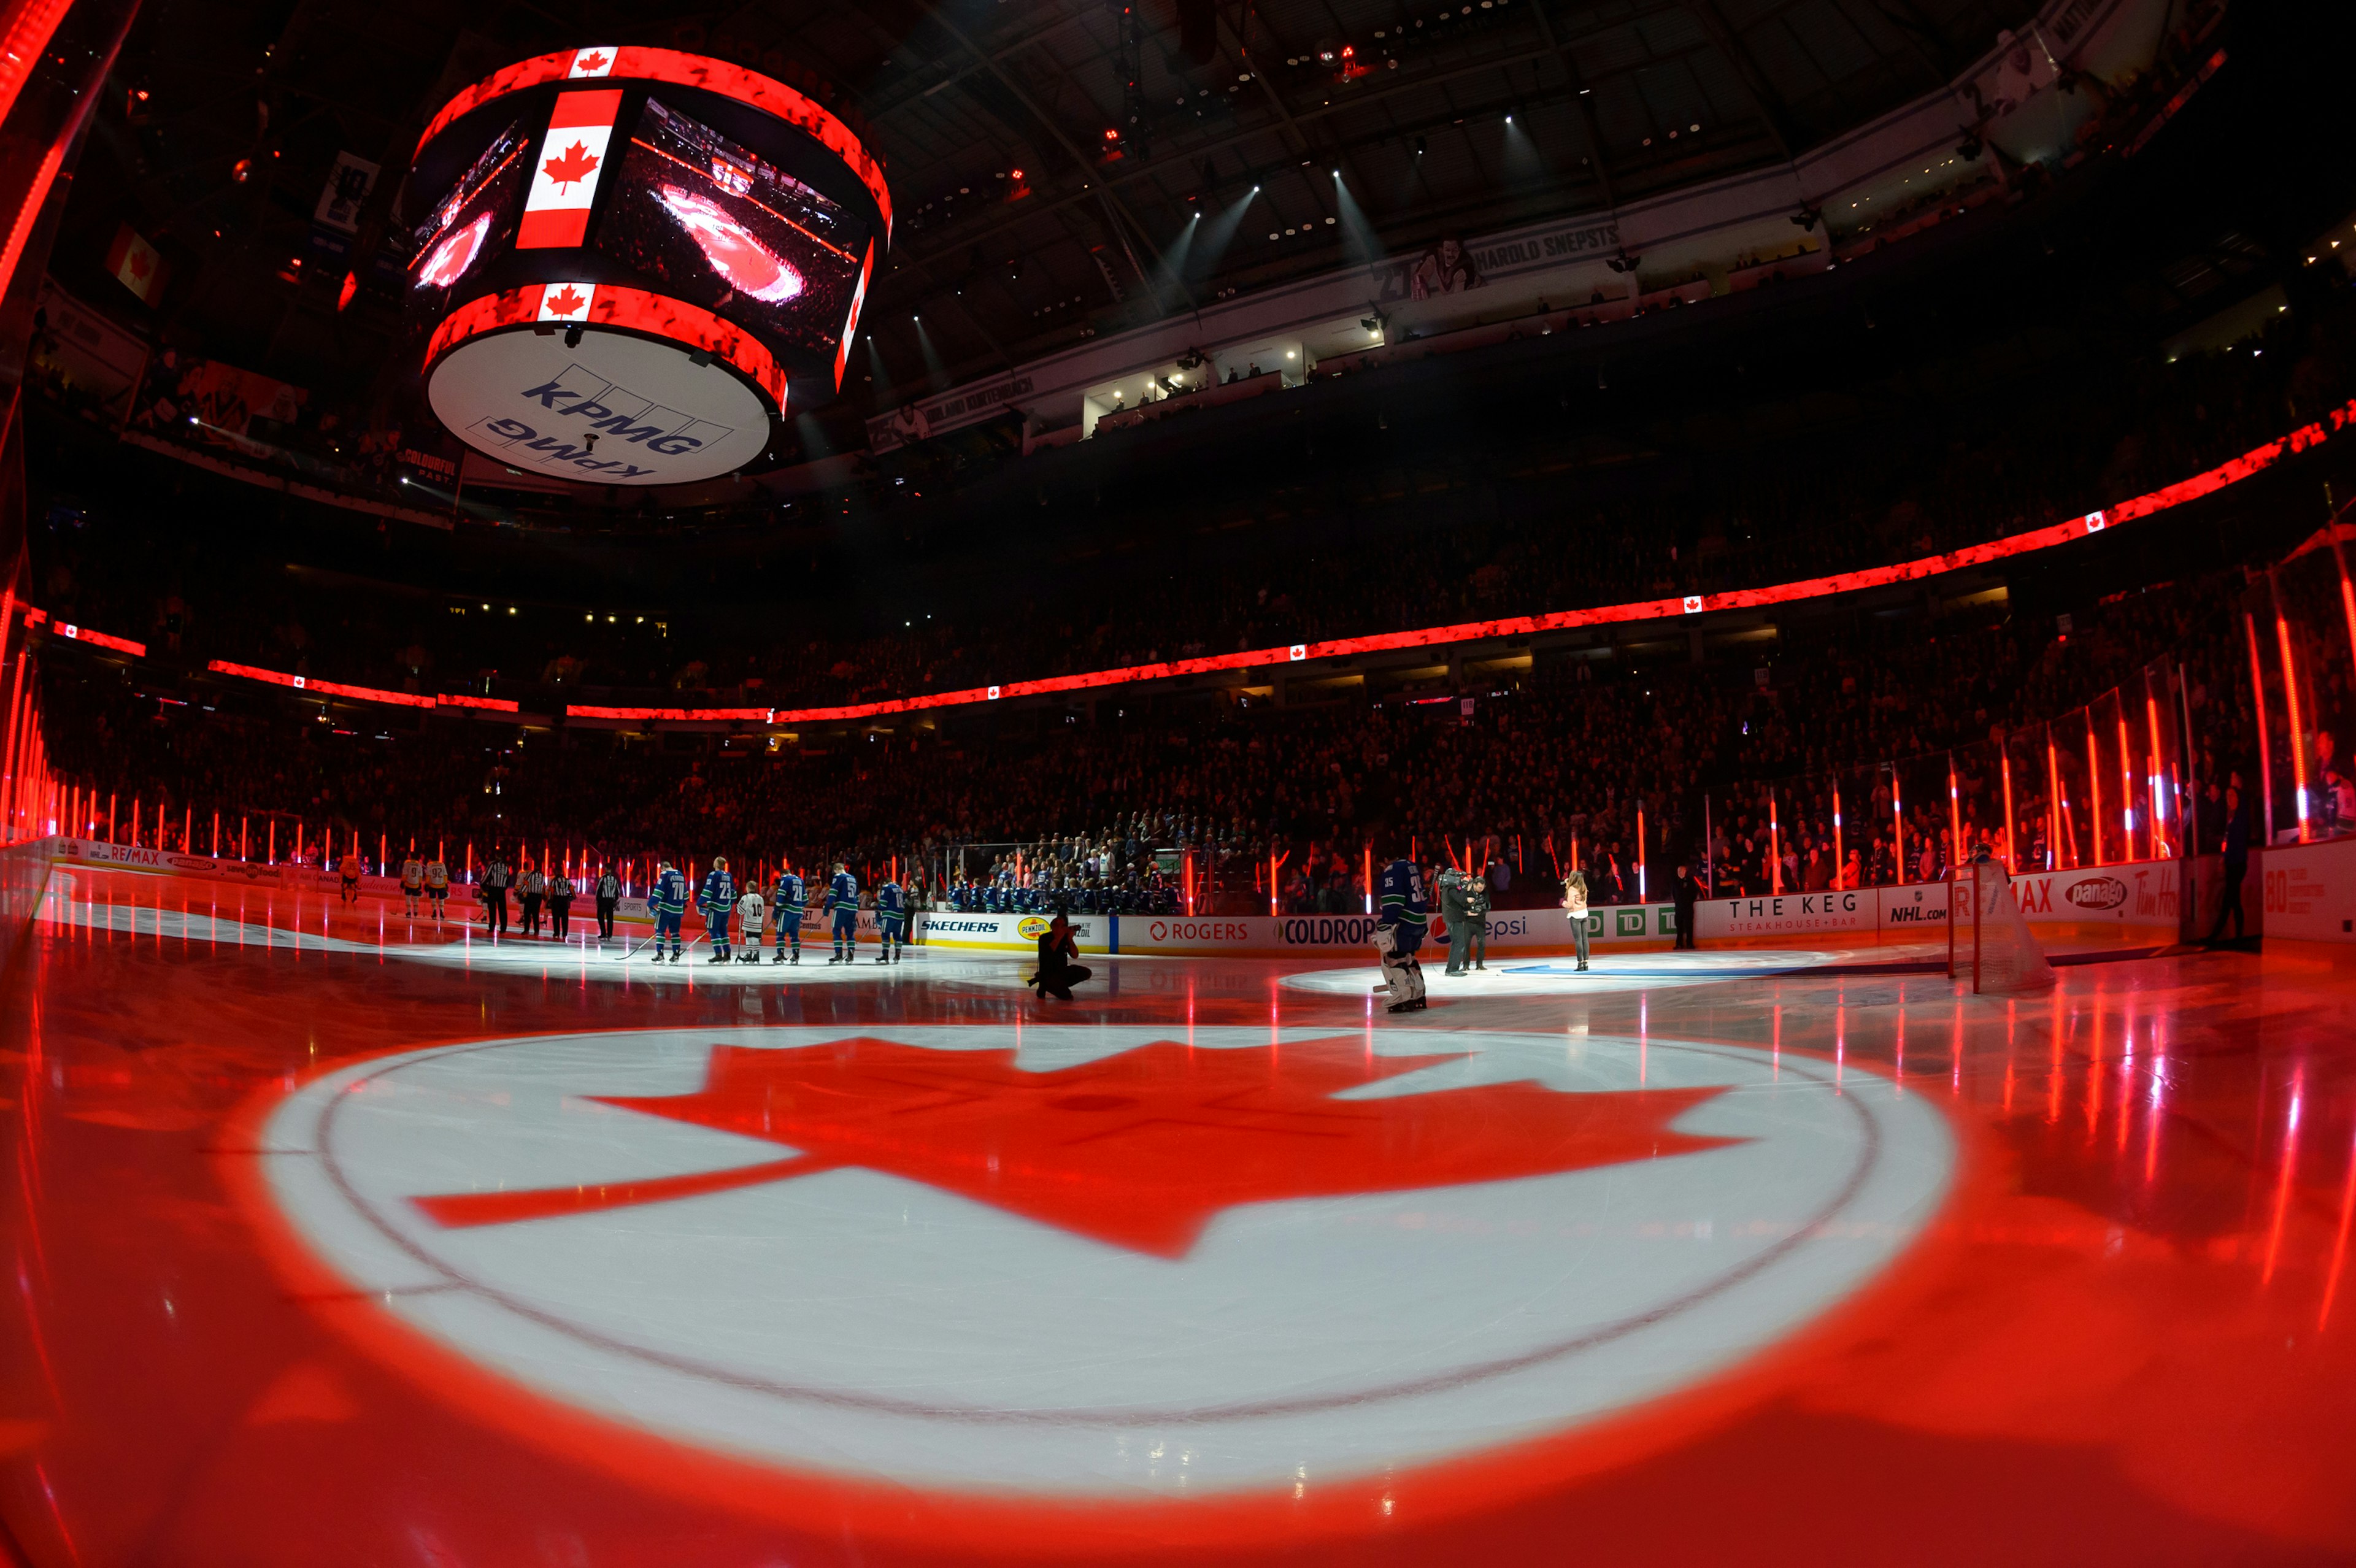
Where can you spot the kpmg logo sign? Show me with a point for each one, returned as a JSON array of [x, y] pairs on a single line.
[[566, 418]]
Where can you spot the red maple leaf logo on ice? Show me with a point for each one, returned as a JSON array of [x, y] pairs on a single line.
[[574, 166], [565, 301], [1139, 1150], [593, 60]]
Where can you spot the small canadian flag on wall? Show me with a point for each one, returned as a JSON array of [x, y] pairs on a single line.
[[137, 263]]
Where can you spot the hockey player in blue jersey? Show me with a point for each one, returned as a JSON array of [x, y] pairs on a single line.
[[786, 902], [1400, 922], [892, 922], [842, 903], [717, 899], [668, 900]]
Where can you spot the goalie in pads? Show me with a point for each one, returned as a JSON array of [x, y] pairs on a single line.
[[1399, 932]]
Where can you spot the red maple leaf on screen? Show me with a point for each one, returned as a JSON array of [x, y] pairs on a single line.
[[1139, 1150], [574, 166], [565, 301], [139, 263], [593, 60]]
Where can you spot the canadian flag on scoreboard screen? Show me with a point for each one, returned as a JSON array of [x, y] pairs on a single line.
[[595, 61], [566, 302], [564, 179]]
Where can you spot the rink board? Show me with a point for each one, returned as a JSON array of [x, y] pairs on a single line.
[[2140, 893]]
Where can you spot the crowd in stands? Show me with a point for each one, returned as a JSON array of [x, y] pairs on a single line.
[[1808, 510], [1626, 772], [1116, 871]]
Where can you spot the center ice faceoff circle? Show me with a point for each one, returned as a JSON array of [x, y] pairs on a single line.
[[1110, 1262]]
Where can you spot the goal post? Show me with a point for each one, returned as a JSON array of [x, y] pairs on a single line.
[[1989, 940]]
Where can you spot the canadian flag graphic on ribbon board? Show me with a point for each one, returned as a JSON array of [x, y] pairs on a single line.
[[595, 61], [566, 302], [564, 176]]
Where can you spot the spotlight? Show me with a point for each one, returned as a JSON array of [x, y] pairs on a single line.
[[1421, 146], [573, 335]]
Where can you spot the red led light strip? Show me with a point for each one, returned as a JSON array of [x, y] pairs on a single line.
[[633, 64], [34, 618], [714, 715], [633, 310], [361, 693], [2255, 460], [25, 38], [2252, 461]]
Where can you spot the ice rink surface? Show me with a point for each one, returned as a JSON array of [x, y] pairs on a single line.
[[340, 1237]]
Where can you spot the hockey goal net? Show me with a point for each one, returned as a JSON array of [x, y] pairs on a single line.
[[1988, 939]]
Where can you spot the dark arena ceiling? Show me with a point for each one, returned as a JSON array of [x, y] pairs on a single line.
[[1046, 157]]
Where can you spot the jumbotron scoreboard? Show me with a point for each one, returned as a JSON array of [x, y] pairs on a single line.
[[630, 263]]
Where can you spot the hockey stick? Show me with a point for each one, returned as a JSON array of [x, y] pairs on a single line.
[[658, 938]]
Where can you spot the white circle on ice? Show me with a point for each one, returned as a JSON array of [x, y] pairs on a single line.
[[860, 1323], [1508, 975]]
